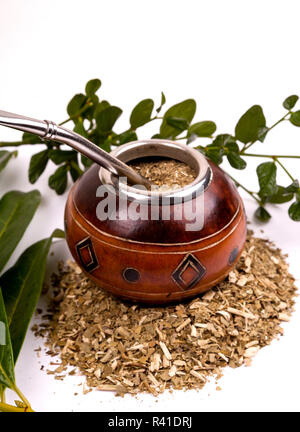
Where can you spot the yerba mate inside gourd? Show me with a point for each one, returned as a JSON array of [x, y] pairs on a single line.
[[164, 173]]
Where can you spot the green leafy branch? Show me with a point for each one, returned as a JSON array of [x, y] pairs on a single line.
[[20, 286], [96, 119]]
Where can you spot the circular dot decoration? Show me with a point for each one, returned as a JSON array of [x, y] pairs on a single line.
[[131, 275]]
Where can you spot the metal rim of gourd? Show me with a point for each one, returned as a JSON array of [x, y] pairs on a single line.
[[164, 148]]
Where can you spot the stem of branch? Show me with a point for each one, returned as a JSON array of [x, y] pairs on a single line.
[[252, 194], [22, 397], [2, 394], [4, 407], [15, 144], [272, 156], [82, 110], [284, 169]]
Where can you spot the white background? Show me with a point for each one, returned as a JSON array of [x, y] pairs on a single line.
[[228, 55]]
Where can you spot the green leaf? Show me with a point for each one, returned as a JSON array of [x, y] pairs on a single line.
[[293, 187], [266, 173], [126, 137], [21, 288], [38, 163], [215, 154], [76, 104], [178, 123], [92, 86], [281, 196], [290, 102], [60, 156], [106, 145], [75, 171], [7, 369], [5, 157], [236, 161], [202, 129], [248, 126], [141, 113], [100, 107], [74, 174], [185, 110], [225, 140], [295, 118], [79, 128], [29, 138], [191, 138], [58, 233], [232, 146], [294, 211], [107, 118], [59, 180], [262, 214], [162, 102], [262, 133], [89, 112], [16, 211], [86, 162]]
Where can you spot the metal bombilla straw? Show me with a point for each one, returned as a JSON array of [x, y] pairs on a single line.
[[50, 131]]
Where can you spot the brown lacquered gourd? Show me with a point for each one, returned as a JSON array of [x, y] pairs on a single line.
[[156, 261]]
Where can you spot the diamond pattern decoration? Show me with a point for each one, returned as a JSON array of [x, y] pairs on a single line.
[[87, 256], [189, 272]]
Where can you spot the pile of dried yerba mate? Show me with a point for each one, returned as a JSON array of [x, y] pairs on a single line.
[[126, 348]]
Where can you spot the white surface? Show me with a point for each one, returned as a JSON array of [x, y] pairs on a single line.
[[228, 56]]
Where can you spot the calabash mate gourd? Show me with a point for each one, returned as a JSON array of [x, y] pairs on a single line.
[[177, 243]]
